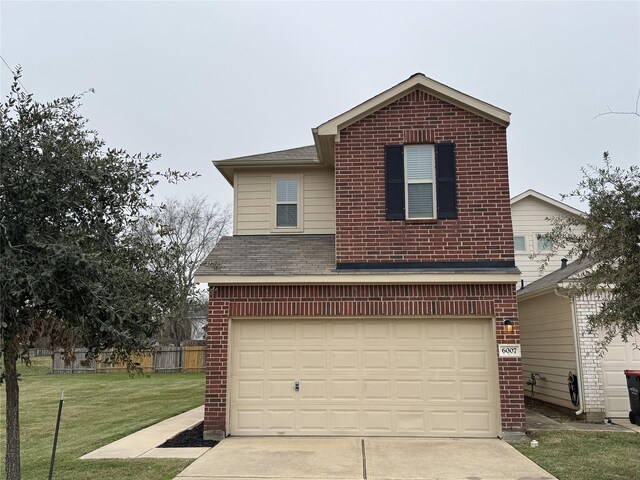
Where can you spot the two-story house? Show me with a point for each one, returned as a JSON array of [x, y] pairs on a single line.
[[531, 214], [370, 278]]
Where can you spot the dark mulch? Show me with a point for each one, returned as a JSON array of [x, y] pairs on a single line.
[[189, 438]]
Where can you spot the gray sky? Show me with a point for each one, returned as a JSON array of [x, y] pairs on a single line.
[[200, 81]]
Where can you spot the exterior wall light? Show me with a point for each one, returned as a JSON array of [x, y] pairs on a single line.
[[508, 326]]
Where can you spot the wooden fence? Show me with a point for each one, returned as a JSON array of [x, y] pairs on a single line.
[[189, 359]]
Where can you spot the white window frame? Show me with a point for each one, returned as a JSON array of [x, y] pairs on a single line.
[[274, 210], [407, 182], [524, 237], [537, 243]]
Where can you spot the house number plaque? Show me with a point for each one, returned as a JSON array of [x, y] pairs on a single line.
[[509, 350]]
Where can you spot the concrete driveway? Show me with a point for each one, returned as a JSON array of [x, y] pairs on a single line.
[[358, 459]]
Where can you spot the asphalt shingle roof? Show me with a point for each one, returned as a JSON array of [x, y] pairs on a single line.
[[271, 255], [556, 277], [301, 153]]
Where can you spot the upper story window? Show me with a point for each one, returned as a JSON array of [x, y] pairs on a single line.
[[520, 243], [542, 244], [287, 201], [419, 167], [420, 181]]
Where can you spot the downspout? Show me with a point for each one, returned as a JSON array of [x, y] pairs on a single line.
[[576, 344]]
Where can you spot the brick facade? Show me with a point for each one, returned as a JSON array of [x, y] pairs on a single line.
[[590, 357], [482, 229], [332, 301]]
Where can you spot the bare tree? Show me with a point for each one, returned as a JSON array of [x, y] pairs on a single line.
[[194, 228]]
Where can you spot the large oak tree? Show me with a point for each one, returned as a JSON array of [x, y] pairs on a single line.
[[75, 266], [609, 236]]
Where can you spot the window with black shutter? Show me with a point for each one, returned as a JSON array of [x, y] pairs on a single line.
[[420, 181]]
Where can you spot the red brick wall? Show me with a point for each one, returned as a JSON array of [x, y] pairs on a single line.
[[333, 301], [482, 230]]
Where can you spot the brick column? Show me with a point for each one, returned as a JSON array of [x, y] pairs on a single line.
[[215, 398]]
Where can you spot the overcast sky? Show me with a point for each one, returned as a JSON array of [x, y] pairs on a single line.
[[202, 81]]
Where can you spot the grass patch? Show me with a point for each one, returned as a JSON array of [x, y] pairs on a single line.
[[98, 409], [577, 455]]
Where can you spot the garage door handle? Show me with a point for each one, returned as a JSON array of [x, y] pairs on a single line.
[[296, 386]]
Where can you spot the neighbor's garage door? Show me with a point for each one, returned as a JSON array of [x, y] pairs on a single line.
[[364, 377], [619, 357]]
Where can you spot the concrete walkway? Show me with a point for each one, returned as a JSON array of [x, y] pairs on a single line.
[[143, 443], [357, 459], [538, 421]]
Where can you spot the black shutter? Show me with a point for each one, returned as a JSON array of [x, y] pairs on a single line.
[[446, 179], [394, 179]]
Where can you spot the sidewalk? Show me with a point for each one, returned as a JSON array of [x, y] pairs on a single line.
[[143, 443], [538, 421]]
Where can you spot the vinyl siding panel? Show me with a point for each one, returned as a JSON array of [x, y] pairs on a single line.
[[529, 217], [546, 334], [254, 203]]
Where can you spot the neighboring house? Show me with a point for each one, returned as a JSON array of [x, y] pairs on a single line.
[[556, 342], [369, 278], [530, 214]]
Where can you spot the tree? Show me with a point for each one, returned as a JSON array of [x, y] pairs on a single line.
[[75, 266], [610, 241], [193, 229]]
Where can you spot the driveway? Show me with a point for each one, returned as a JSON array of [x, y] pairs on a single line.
[[358, 459]]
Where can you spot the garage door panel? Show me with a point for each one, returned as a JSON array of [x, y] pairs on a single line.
[[473, 332], [473, 361], [475, 391], [409, 391], [440, 333], [313, 390], [314, 421], [345, 421], [281, 360], [479, 423], [375, 333], [280, 420], [248, 421], [376, 360], [619, 357], [249, 360], [313, 331], [376, 422], [280, 390], [440, 361], [344, 361], [406, 332], [441, 390], [346, 390], [281, 331], [377, 390], [249, 390], [407, 361], [313, 360], [346, 331], [419, 380]]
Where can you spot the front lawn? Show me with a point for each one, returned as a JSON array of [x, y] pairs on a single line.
[[98, 409], [578, 455]]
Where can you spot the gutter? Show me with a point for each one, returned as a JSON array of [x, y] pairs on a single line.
[[576, 344]]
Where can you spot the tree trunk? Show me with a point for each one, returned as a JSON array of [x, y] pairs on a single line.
[[13, 423]]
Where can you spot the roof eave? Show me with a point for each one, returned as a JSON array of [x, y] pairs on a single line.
[[228, 167]]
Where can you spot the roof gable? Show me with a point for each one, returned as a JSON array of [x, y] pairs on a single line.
[[548, 200], [328, 133]]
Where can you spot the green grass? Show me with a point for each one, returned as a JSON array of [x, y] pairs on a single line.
[[98, 409], [577, 455]]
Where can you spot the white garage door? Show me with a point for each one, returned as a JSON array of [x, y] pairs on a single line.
[[364, 377], [619, 357]]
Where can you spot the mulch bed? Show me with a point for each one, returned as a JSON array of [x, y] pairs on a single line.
[[189, 438]]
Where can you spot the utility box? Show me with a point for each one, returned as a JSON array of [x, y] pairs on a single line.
[[633, 385]]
